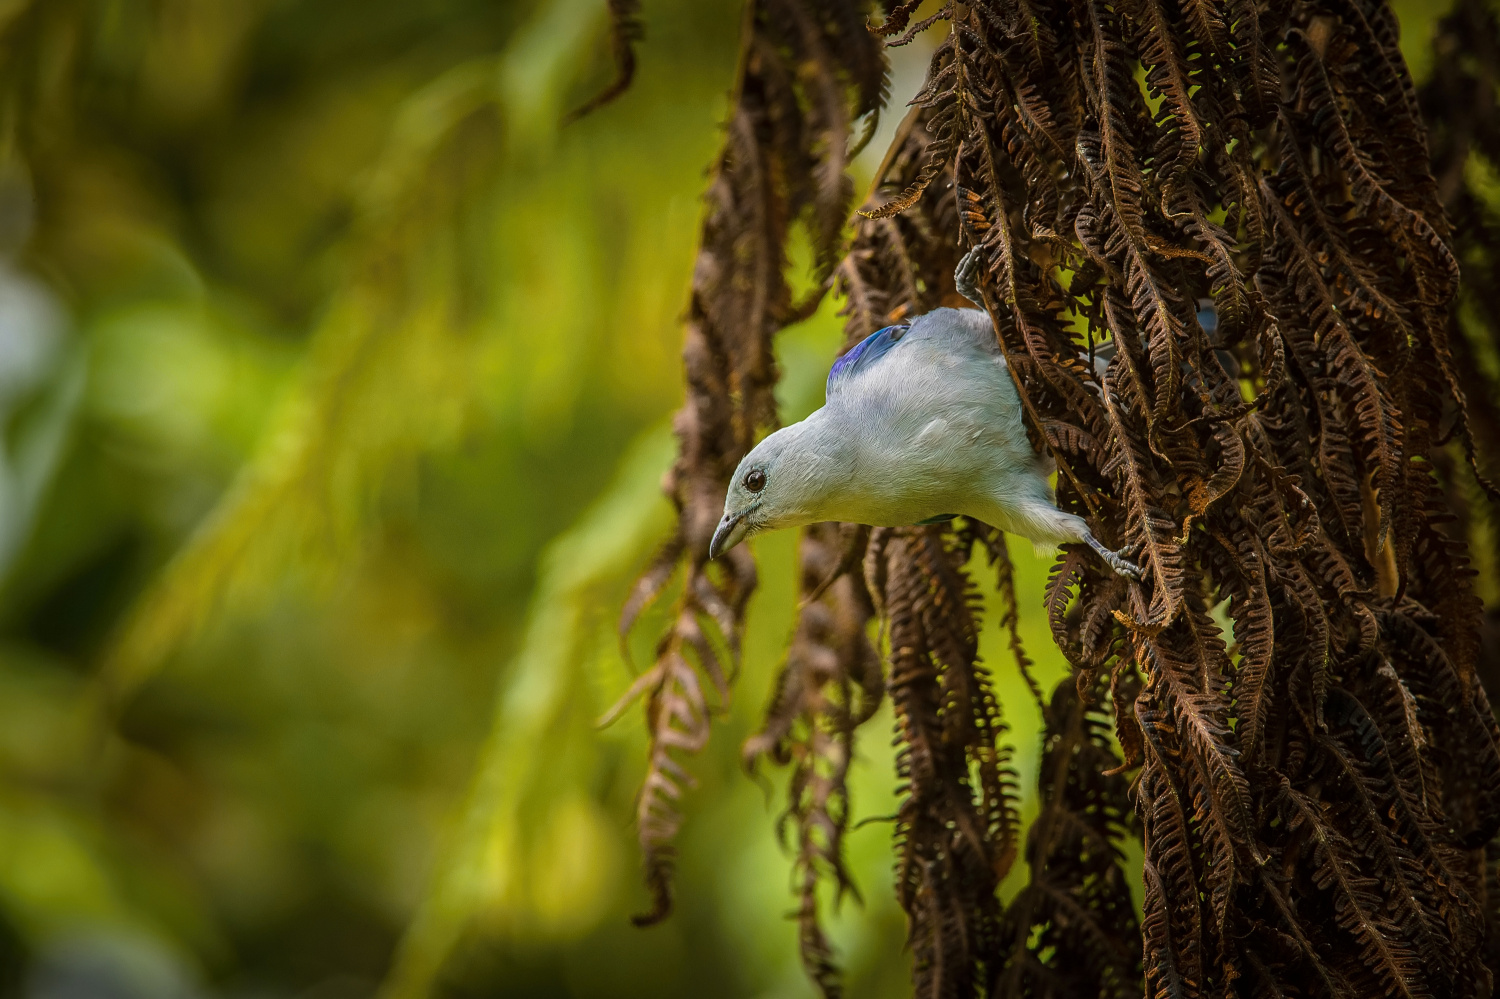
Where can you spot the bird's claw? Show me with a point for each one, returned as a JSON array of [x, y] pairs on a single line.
[[1115, 560], [1125, 568]]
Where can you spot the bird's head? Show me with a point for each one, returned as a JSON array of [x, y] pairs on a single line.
[[787, 480]]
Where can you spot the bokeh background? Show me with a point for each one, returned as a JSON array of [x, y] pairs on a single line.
[[335, 379]]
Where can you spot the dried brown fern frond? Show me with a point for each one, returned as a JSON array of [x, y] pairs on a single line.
[[1279, 467], [956, 824], [1072, 930], [807, 71]]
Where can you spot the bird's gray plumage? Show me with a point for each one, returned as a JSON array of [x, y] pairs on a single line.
[[920, 421]]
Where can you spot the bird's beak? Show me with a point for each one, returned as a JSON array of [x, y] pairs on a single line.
[[731, 531]]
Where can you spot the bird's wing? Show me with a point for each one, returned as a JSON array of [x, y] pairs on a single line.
[[862, 356]]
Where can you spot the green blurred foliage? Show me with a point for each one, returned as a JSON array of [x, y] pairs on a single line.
[[334, 379]]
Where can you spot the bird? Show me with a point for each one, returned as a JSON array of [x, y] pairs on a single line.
[[921, 423]]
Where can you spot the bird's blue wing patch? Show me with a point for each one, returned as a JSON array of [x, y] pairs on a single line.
[[865, 353]]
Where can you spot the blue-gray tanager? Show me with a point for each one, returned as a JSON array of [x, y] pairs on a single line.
[[921, 422]]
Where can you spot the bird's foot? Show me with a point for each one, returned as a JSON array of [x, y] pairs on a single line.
[[1114, 560], [964, 277]]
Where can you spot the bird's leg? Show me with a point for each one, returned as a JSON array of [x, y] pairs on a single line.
[[1115, 560], [963, 277], [1040, 521]]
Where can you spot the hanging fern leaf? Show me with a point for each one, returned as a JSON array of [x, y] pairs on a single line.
[[807, 71]]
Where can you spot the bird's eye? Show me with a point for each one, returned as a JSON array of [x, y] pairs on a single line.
[[755, 480]]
